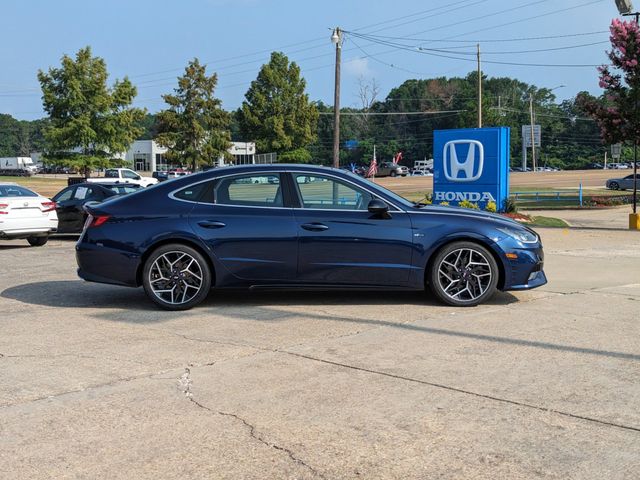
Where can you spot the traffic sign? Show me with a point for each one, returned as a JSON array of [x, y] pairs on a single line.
[[526, 135]]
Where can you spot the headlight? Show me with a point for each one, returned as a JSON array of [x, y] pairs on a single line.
[[520, 234]]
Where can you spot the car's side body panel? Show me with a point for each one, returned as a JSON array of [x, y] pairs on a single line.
[[251, 246]]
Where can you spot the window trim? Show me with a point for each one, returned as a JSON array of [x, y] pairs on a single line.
[[286, 189], [291, 197], [396, 209]]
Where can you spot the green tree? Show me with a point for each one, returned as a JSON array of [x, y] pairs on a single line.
[[617, 111], [194, 128], [277, 114], [90, 123]]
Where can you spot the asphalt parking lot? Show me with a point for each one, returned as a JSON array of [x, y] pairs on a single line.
[[97, 383]]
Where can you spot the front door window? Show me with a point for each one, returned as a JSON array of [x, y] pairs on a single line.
[[327, 193]]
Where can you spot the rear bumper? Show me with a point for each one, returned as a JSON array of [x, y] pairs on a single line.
[[98, 263], [19, 233]]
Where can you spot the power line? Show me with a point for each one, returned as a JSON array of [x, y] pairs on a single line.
[[501, 40]]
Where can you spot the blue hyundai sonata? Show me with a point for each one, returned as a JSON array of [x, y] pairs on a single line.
[[295, 226]]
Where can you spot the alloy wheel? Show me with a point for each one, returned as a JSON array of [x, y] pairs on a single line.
[[464, 275], [175, 277]]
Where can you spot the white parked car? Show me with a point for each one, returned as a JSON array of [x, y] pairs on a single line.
[[25, 214], [421, 173], [124, 175]]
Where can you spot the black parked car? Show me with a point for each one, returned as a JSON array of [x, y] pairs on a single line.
[[69, 202], [161, 176]]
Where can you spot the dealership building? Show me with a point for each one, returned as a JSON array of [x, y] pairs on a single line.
[[148, 156]]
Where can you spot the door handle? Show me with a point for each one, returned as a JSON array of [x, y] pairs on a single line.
[[314, 227], [211, 224]]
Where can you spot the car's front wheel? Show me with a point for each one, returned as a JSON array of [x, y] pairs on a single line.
[[614, 186], [37, 241], [463, 274], [176, 277], [393, 173]]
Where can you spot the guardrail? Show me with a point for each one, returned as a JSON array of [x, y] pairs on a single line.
[[546, 196]]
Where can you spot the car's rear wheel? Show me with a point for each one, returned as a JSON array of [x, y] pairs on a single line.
[[614, 186], [463, 274], [37, 241], [176, 277], [393, 173]]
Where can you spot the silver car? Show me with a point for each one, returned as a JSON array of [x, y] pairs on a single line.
[[390, 169], [625, 183]]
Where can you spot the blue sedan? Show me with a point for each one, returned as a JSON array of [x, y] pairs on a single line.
[[294, 226]]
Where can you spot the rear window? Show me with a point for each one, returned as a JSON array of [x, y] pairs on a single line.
[[193, 193], [111, 174], [123, 189], [15, 191]]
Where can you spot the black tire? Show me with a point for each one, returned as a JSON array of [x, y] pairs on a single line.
[[151, 275], [472, 278], [37, 241], [393, 173], [614, 186]]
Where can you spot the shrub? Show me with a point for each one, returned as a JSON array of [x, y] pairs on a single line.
[[510, 206], [428, 199], [299, 155], [491, 207], [444, 204], [468, 204]]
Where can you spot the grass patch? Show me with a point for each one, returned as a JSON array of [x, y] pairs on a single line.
[[539, 221]]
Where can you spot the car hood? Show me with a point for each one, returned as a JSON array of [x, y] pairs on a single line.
[[467, 212]]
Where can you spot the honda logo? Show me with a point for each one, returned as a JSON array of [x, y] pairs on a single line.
[[470, 169]]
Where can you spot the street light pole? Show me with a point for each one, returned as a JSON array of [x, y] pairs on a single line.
[[479, 89], [533, 139], [336, 39]]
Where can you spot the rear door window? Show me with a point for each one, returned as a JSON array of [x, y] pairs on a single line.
[[259, 190], [195, 193]]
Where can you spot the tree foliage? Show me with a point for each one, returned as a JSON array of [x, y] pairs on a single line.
[[277, 114], [617, 110], [194, 128], [89, 122], [569, 139], [19, 138]]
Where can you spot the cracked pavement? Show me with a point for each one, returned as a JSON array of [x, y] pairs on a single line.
[[95, 382]]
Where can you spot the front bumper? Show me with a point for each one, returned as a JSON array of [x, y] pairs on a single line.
[[526, 270]]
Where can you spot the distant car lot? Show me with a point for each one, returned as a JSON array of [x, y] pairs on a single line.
[[345, 385]]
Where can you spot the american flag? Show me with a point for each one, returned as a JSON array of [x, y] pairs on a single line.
[[397, 158], [373, 168]]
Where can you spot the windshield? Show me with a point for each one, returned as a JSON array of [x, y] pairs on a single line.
[[15, 191]]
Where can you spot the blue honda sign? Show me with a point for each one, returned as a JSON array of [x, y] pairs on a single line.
[[471, 164]]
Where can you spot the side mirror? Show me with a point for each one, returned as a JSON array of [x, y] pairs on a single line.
[[378, 207]]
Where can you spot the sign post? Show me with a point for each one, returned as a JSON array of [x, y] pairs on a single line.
[[526, 142], [471, 164]]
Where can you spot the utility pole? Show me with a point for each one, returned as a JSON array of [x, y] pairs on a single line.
[[533, 140], [479, 90], [336, 39]]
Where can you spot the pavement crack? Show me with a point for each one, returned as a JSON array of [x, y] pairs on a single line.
[[466, 392], [185, 383]]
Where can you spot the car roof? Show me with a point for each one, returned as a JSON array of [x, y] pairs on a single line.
[[13, 184], [276, 166]]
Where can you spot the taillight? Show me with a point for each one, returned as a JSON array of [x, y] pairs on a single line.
[[48, 206], [3, 208], [97, 220]]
